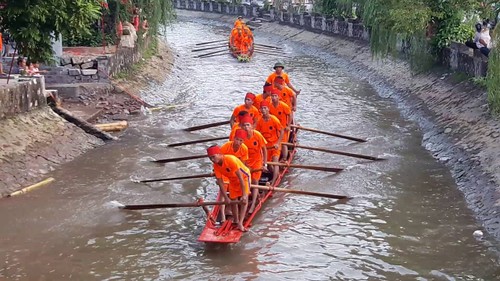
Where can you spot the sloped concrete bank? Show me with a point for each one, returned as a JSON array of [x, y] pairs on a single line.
[[33, 143], [453, 116]]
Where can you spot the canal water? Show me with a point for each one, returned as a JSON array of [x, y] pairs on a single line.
[[407, 220]]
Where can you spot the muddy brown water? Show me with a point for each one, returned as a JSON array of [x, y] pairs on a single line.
[[408, 221]]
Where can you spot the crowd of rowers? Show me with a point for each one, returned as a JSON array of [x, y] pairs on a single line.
[[241, 38], [259, 127]]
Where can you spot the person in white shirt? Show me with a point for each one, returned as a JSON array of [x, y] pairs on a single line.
[[482, 39]]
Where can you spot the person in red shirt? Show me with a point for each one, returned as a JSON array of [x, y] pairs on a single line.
[[239, 181], [248, 106], [257, 155], [278, 71], [272, 130], [266, 95], [284, 114]]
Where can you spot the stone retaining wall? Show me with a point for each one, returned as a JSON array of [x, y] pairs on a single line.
[[20, 97], [458, 57]]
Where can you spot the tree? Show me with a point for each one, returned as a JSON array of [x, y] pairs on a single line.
[[32, 24]]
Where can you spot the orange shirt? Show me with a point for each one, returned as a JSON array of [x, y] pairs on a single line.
[[241, 153], [287, 95], [270, 129], [259, 98], [253, 111], [230, 165], [282, 111], [235, 127], [270, 78], [254, 145]]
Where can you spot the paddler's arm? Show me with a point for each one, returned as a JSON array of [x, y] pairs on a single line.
[[220, 183], [232, 120], [293, 88], [280, 139], [264, 156]]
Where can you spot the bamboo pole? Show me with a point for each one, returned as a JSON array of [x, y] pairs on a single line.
[[31, 187]]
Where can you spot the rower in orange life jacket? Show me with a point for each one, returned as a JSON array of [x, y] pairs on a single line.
[[286, 94], [247, 106], [279, 71], [266, 95], [283, 112], [239, 21], [236, 148], [239, 40], [237, 125], [239, 182], [272, 130], [257, 154]]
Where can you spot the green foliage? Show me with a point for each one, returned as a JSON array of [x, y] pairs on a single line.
[[94, 39], [493, 78], [33, 23], [452, 32]]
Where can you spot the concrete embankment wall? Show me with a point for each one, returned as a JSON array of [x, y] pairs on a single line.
[[33, 139], [458, 130], [457, 57]]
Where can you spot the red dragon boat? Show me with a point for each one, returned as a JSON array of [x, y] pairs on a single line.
[[228, 232]]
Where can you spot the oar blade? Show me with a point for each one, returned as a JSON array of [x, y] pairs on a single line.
[[201, 127], [196, 141], [169, 160], [176, 178], [169, 205], [302, 192]]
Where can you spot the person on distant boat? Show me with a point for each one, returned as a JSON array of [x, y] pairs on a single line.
[[272, 130], [283, 112], [279, 71], [248, 106], [239, 21], [286, 94], [236, 148], [266, 95], [257, 155], [239, 41], [239, 182], [248, 34]]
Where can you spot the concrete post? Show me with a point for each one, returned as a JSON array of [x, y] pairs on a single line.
[[57, 48], [336, 26], [301, 19], [271, 14], [245, 12], [349, 29], [323, 23], [313, 22], [210, 6]]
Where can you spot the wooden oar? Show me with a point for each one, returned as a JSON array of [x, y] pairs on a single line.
[[268, 46], [271, 54], [216, 55], [209, 48], [176, 178], [335, 152], [208, 54], [205, 43], [168, 160], [172, 205], [196, 141], [200, 127], [317, 168], [285, 190], [328, 133]]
